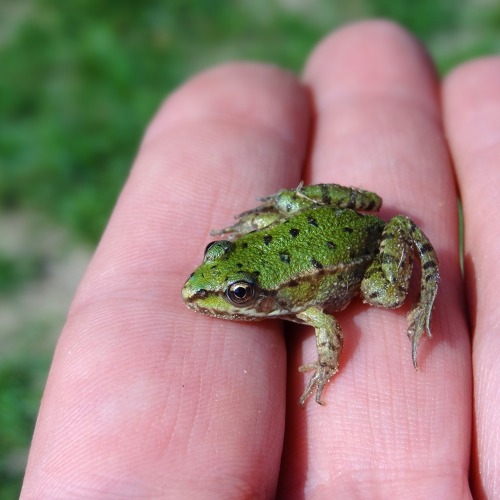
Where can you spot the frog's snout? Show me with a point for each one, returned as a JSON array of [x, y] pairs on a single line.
[[188, 292], [191, 293]]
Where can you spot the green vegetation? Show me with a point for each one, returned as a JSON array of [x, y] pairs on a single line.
[[80, 81], [20, 388]]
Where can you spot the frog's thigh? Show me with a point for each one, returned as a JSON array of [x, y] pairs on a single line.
[[329, 341], [387, 279]]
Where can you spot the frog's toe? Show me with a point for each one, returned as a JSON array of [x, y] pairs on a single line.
[[320, 378], [418, 323]]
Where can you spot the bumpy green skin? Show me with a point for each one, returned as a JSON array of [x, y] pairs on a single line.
[[305, 253]]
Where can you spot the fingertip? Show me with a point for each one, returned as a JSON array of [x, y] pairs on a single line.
[[249, 93], [373, 56], [472, 121], [473, 72]]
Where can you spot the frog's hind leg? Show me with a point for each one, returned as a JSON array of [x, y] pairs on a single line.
[[329, 341], [387, 279], [289, 201], [283, 204], [419, 317]]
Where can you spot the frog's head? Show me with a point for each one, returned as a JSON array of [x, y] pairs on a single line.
[[218, 289]]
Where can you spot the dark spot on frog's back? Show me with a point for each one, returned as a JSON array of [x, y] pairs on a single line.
[[294, 232], [331, 245], [267, 239], [316, 264], [312, 221], [348, 230], [285, 257]]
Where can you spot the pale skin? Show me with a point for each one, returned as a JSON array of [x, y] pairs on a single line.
[[147, 399]]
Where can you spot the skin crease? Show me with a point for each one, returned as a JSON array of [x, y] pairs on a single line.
[[147, 399]]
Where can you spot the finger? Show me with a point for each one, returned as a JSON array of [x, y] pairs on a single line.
[[145, 397], [472, 116], [378, 127]]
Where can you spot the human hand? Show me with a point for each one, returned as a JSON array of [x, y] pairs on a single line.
[[147, 399]]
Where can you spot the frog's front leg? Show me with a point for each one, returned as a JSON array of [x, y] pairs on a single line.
[[329, 340], [387, 279], [252, 220]]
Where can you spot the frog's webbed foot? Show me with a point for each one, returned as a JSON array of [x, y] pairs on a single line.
[[329, 339], [418, 323], [319, 379]]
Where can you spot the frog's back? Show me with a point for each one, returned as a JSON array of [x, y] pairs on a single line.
[[321, 239]]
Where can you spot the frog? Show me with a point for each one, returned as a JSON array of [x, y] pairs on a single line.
[[302, 255]]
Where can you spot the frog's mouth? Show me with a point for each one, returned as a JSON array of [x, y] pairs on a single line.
[[221, 314]]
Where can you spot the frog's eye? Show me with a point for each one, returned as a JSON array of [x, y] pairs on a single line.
[[240, 293], [209, 246], [216, 249]]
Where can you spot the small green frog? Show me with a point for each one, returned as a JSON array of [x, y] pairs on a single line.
[[305, 253]]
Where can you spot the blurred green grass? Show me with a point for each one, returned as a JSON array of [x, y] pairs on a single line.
[[79, 82]]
